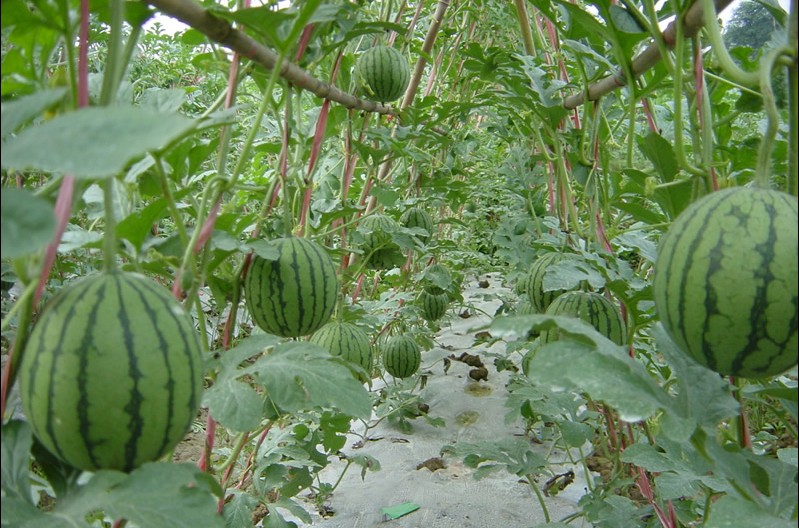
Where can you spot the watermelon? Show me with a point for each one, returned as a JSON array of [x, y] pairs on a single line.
[[112, 374], [433, 305], [725, 282], [379, 248], [534, 282], [401, 356], [436, 279], [594, 309], [382, 73], [416, 217], [525, 307], [295, 294], [346, 340]]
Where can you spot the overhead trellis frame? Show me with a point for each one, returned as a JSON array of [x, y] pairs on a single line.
[[692, 23], [222, 32]]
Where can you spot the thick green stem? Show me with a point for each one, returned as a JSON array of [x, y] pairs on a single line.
[[720, 50], [679, 141], [540, 497], [524, 26], [763, 170], [109, 237]]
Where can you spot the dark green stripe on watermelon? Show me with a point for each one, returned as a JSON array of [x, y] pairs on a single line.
[[112, 373], [401, 356], [384, 73], [379, 248], [416, 217], [534, 282], [348, 341], [725, 283], [594, 309], [295, 294], [433, 305]]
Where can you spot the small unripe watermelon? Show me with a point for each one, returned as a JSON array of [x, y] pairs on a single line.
[[594, 309], [383, 73], [725, 282], [534, 282], [418, 217], [112, 374], [379, 248], [434, 305], [346, 340], [295, 294], [401, 356]]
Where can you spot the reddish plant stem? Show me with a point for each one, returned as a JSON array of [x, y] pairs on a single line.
[[249, 465], [645, 486], [210, 434], [316, 147], [699, 80], [650, 119], [744, 436]]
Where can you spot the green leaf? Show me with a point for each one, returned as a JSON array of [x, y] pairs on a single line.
[[156, 494], [238, 509], [15, 447], [638, 240], [659, 151], [623, 20], [703, 396], [683, 470], [732, 512], [264, 248], [235, 405], [95, 142], [301, 376], [515, 455], [137, 226], [28, 223], [569, 274], [575, 434], [542, 82], [163, 100], [20, 513], [15, 113], [602, 369]]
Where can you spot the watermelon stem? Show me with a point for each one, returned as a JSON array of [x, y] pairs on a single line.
[[744, 436], [540, 497]]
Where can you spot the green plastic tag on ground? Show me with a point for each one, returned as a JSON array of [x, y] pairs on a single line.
[[395, 512]]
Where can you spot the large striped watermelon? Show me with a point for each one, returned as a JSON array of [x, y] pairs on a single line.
[[594, 309], [416, 217], [112, 374], [433, 305], [725, 282], [383, 73], [346, 340], [295, 294], [534, 282], [379, 247], [401, 356]]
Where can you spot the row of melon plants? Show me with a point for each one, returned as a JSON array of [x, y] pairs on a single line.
[[97, 400], [667, 434]]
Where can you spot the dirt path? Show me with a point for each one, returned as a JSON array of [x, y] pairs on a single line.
[[413, 469]]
